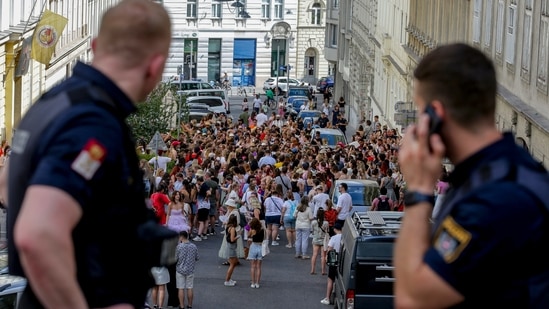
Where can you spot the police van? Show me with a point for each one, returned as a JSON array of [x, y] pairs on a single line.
[[365, 261]]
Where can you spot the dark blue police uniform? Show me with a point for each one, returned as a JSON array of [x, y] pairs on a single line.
[[491, 246], [87, 151]]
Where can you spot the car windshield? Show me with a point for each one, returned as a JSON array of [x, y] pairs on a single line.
[[331, 139], [298, 103], [298, 91], [362, 195]]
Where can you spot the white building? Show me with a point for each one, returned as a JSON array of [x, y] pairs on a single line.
[[250, 40]]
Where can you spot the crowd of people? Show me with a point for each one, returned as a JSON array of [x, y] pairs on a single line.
[[252, 180]]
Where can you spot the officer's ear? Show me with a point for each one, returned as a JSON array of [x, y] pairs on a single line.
[[155, 68]]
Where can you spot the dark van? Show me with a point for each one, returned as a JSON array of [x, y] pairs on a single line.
[[365, 261]]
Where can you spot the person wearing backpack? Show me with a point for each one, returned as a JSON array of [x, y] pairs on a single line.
[[288, 209], [382, 202]]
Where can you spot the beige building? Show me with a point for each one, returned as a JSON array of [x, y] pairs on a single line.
[[515, 34], [18, 19]]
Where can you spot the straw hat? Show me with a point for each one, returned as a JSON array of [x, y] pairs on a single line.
[[200, 173], [231, 203]]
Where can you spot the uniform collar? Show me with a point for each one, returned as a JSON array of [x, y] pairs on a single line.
[[100, 80], [462, 171]]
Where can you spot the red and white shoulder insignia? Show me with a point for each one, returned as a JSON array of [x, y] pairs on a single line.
[[89, 159]]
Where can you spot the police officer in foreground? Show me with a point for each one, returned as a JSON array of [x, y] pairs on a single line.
[[76, 209], [488, 245]]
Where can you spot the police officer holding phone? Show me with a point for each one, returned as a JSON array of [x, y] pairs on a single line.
[[78, 227], [487, 245]]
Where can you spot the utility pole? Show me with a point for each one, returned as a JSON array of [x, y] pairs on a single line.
[[191, 66], [277, 68], [180, 90]]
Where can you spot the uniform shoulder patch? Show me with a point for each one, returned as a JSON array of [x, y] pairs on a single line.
[[89, 159], [451, 239]]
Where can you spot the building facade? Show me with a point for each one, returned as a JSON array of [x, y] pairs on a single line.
[[250, 40], [17, 22], [514, 34]]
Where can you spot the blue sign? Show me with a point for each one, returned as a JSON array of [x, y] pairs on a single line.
[[282, 67]]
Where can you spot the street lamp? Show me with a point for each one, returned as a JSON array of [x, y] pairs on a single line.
[[237, 5]]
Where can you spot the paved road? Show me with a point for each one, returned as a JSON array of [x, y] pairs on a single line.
[[285, 281]]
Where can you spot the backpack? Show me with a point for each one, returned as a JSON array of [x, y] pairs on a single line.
[[383, 204], [332, 258]]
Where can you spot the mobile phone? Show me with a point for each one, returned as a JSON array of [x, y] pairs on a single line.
[[435, 123]]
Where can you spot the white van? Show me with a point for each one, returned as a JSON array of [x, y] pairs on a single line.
[[210, 93], [216, 104], [190, 85]]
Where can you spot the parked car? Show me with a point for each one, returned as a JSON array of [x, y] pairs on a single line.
[[208, 92], [330, 137], [309, 116], [216, 104], [325, 84], [362, 191], [190, 85], [296, 102], [303, 91], [283, 83]]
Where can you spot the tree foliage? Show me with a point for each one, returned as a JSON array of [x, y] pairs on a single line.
[[157, 113]]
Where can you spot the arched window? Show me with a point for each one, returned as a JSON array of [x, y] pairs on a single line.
[[316, 14]]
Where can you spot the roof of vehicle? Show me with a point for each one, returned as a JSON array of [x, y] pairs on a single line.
[[296, 97], [357, 182], [329, 131]]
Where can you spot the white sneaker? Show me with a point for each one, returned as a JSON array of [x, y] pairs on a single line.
[[274, 243], [197, 238], [232, 281], [325, 301], [229, 283], [204, 237], [257, 285]]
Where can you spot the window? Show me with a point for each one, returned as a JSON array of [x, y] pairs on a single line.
[[315, 14], [543, 52], [333, 36], [266, 9], [217, 9], [279, 9], [488, 23], [510, 36], [527, 41], [476, 21], [335, 4], [499, 27], [191, 8]]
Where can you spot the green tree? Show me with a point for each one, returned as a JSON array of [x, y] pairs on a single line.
[[157, 113]]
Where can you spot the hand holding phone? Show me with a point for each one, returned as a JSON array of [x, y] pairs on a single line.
[[435, 122]]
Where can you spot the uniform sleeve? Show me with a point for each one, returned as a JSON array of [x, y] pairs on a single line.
[[84, 149], [475, 240]]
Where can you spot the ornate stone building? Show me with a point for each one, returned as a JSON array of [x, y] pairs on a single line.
[[515, 34], [211, 37]]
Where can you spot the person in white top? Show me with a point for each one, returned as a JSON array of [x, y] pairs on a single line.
[[344, 204], [334, 243], [160, 161], [273, 212], [319, 199], [261, 118], [303, 215]]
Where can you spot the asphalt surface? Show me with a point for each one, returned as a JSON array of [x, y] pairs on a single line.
[[285, 281]]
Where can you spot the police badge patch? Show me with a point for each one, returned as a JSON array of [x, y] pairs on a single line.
[[451, 239], [89, 159]]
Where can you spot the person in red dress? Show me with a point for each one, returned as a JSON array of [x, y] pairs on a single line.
[[159, 199]]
